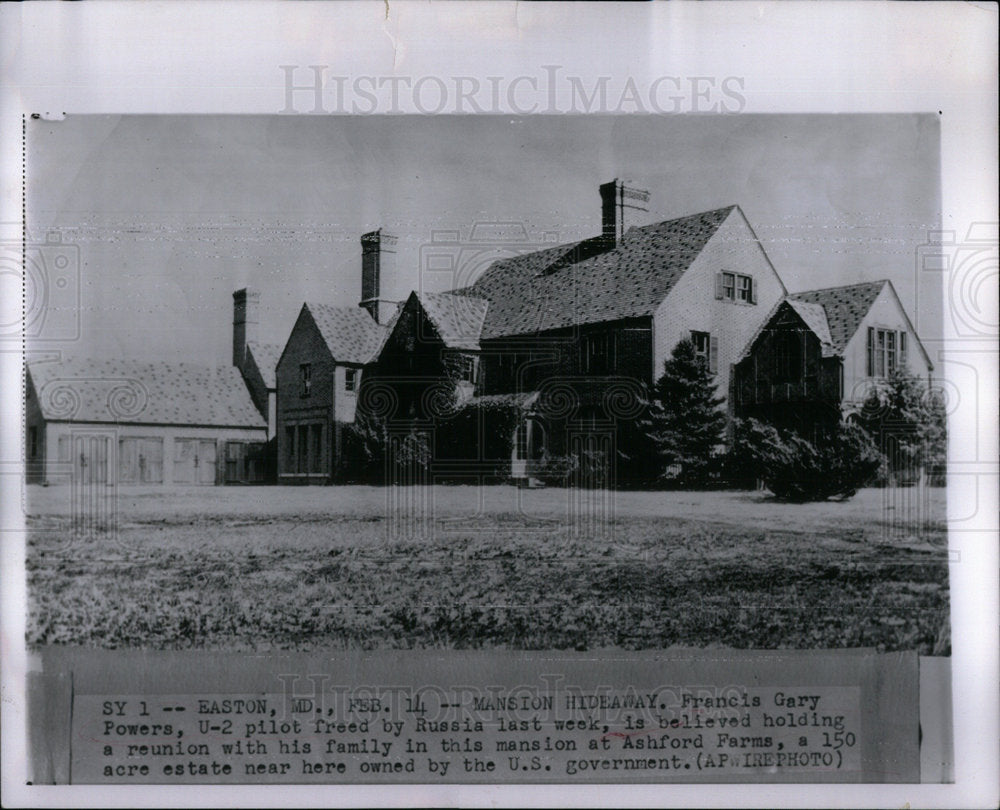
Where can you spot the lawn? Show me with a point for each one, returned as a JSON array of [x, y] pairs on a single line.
[[263, 568]]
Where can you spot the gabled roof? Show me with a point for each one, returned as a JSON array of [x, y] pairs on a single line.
[[845, 308], [568, 285], [834, 314], [458, 319], [349, 332], [814, 316], [265, 357], [136, 391]]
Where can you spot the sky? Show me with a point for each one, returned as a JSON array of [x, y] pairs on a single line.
[[171, 214]]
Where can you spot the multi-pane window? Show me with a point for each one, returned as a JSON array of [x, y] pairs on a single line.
[[744, 289], [735, 287], [706, 349], [350, 379], [305, 379], [886, 351], [701, 341]]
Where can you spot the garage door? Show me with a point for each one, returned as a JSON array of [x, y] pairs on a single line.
[[194, 461], [90, 458], [140, 461]]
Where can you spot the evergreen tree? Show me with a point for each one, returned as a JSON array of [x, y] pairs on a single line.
[[908, 421], [686, 423]]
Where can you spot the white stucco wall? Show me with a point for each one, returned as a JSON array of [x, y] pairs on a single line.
[[692, 304], [886, 313]]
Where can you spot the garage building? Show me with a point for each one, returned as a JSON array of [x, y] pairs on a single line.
[[140, 422]]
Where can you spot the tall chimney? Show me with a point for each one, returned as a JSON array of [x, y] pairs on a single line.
[[622, 206], [245, 320], [378, 261]]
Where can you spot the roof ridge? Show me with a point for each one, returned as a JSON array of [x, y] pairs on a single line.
[[68, 359], [839, 287], [325, 305], [706, 212]]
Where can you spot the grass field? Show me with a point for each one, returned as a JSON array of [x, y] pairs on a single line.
[[262, 568]]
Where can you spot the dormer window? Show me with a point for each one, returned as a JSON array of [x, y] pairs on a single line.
[[350, 379]]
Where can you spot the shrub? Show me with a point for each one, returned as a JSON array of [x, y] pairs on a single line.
[[372, 454], [555, 471], [836, 465], [363, 450]]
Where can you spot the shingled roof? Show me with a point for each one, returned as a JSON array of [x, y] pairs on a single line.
[[845, 308], [349, 332], [265, 357], [458, 319], [814, 316], [567, 285], [136, 391]]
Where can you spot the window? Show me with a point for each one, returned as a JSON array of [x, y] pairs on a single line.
[[290, 448], [512, 363], [788, 356], [595, 351], [316, 449], [744, 289], [32, 442], [706, 349], [886, 351], [467, 368], [735, 287], [700, 341], [305, 378], [350, 379], [302, 446], [521, 442]]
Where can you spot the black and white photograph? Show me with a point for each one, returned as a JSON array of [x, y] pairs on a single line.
[[574, 447], [454, 383]]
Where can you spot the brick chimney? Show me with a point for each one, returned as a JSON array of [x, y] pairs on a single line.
[[622, 206], [245, 320], [378, 261]]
